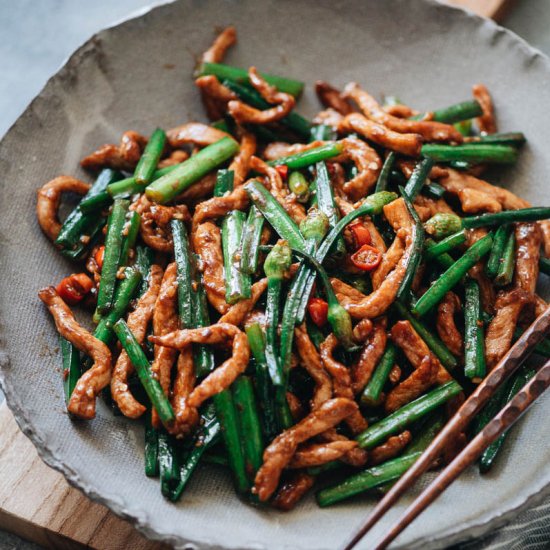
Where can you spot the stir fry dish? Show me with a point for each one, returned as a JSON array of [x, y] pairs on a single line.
[[301, 302]]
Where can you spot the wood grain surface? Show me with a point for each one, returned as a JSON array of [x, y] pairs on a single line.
[[37, 503], [494, 9]]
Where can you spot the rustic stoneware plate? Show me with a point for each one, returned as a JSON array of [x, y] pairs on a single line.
[[137, 75]]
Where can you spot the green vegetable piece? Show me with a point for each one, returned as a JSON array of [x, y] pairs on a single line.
[[512, 387], [251, 240], [222, 72], [194, 168], [72, 371], [322, 132], [275, 214], [505, 272], [80, 228], [384, 176], [262, 379], [544, 265], [418, 178], [130, 234], [472, 153], [298, 184], [443, 224], [224, 182], [209, 434], [184, 270], [452, 276], [310, 156], [126, 290], [464, 127], [455, 113], [151, 448], [227, 416], [515, 139], [497, 250], [111, 260], [371, 206], [368, 479], [237, 283], [168, 463], [373, 390], [249, 422], [143, 369], [433, 190], [433, 250], [150, 157], [415, 256], [338, 317], [406, 415], [128, 186], [144, 260], [315, 226], [474, 346], [95, 202], [507, 216], [326, 204]]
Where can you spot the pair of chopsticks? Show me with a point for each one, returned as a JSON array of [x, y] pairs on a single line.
[[517, 354]]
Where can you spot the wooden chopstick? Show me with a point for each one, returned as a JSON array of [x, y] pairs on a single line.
[[511, 361], [500, 423]]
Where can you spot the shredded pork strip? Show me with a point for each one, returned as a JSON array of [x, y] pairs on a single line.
[[420, 380], [119, 157], [377, 303], [277, 188], [429, 130], [48, 199], [528, 241], [362, 369], [390, 448], [224, 375], [341, 380], [238, 312], [165, 320], [292, 490], [407, 144], [415, 349], [281, 450], [456, 182], [138, 320], [389, 260], [500, 332], [194, 133], [368, 165], [245, 114], [332, 98], [217, 207], [446, 325], [186, 415], [82, 401], [317, 454], [311, 361], [207, 242], [222, 43], [155, 223], [486, 122]]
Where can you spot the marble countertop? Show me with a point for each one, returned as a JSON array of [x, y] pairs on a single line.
[[38, 35]]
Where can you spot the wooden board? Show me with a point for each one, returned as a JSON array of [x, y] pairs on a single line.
[[37, 503], [494, 9]]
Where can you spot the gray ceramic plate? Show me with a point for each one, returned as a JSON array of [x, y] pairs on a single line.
[[138, 75]]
